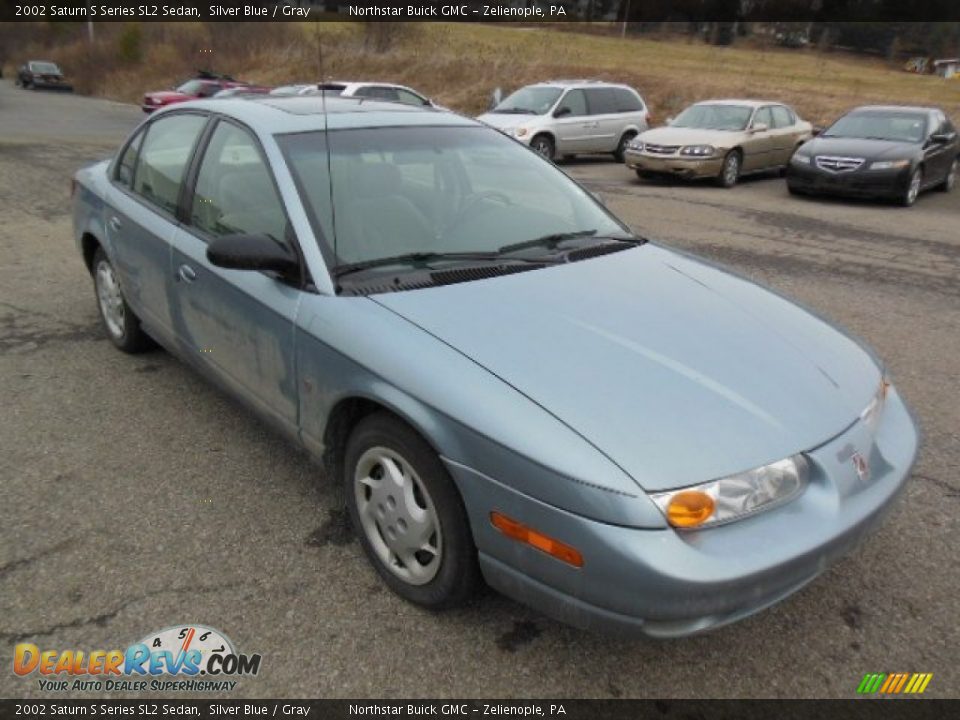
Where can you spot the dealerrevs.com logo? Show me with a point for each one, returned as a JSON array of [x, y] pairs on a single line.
[[187, 658]]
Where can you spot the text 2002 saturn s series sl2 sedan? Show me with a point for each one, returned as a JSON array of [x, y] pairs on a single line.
[[509, 383]]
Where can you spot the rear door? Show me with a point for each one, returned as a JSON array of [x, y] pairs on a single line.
[[239, 324], [607, 121], [141, 216], [786, 134]]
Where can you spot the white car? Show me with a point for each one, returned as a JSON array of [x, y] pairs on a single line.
[[385, 92], [569, 117]]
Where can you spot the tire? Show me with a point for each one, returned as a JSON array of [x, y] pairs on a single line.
[[912, 190], [730, 169], [642, 175], [794, 191], [119, 321], [544, 145], [424, 502], [622, 146], [951, 179]]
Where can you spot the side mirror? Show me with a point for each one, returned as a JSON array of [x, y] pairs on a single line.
[[560, 112], [941, 138], [816, 130], [669, 120], [252, 252], [759, 127]]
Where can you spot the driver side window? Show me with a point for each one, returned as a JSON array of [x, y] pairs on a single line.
[[235, 191], [576, 101]]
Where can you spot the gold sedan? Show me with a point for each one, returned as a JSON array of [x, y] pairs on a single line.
[[722, 139]]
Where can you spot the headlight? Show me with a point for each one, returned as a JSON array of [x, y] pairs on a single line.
[[519, 132], [874, 411], [801, 159], [698, 150], [734, 497], [635, 145], [889, 164]]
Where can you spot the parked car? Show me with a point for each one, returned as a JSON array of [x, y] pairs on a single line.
[[42, 74], [297, 89], [721, 139], [879, 151], [386, 92], [205, 85], [571, 117], [507, 381]]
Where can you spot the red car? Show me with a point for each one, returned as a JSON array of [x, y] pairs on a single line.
[[202, 87]]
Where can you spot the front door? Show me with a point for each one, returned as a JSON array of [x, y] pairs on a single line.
[[758, 147], [573, 127], [237, 323]]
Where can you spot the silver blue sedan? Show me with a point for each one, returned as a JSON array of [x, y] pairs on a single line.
[[510, 384]]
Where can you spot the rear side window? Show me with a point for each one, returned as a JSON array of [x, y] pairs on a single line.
[[235, 191], [409, 98], [627, 101], [128, 161], [782, 117], [164, 158], [379, 93], [601, 101]]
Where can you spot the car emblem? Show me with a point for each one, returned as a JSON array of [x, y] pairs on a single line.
[[862, 466]]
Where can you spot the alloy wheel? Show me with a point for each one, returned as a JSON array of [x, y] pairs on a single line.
[[914, 189], [398, 515], [110, 299]]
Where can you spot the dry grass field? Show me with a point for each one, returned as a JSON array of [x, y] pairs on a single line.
[[460, 64]]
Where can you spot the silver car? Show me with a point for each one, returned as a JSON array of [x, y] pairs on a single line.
[[562, 118], [508, 383]]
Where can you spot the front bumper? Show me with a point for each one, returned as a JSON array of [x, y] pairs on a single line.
[[51, 85], [673, 165], [859, 183], [664, 583]]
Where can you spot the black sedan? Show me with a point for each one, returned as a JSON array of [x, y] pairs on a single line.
[[885, 152], [38, 74]]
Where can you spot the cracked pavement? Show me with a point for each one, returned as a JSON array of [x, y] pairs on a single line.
[[135, 496]]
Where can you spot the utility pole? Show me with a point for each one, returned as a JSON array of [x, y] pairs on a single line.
[[626, 14]]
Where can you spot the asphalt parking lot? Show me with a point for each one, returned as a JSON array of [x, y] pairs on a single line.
[[135, 496]]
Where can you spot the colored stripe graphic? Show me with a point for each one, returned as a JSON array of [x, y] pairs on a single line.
[[894, 683]]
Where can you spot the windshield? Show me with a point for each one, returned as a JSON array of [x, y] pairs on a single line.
[[529, 100], [714, 117], [397, 191], [191, 87], [44, 68], [904, 127]]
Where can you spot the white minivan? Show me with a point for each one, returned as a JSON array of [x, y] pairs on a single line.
[[561, 118]]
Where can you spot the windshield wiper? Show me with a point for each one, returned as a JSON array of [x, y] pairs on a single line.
[[552, 241], [419, 258]]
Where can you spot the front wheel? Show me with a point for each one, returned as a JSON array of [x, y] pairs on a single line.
[[120, 322], [951, 179], [409, 516], [622, 146], [730, 170], [543, 145], [912, 191]]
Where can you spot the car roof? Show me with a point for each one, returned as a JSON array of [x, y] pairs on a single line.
[[918, 109], [273, 115], [735, 101]]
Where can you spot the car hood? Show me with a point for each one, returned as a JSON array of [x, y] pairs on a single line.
[[691, 136], [860, 148], [676, 371], [506, 121]]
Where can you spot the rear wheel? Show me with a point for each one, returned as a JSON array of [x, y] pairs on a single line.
[[409, 516], [912, 190], [543, 145], [951, 179], [120, 322], [622, 146], [729, 170]]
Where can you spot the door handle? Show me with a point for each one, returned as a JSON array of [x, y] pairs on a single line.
[[115, 223], [187, 273]]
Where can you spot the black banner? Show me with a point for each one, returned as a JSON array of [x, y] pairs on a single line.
[[861, 709], [480, 11]]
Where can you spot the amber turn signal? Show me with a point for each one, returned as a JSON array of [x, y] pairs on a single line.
[[518, 531], [689, 508]]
